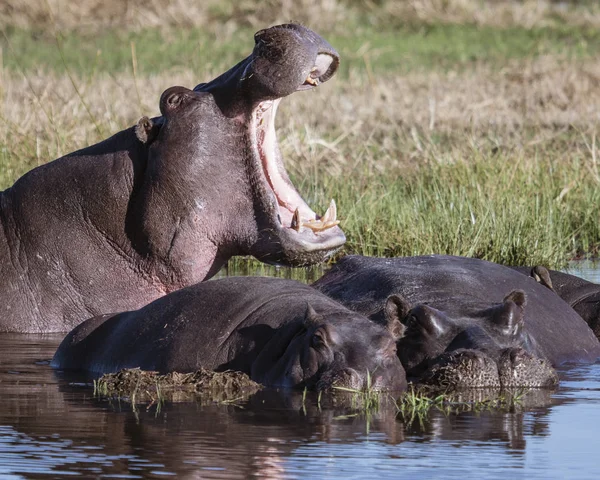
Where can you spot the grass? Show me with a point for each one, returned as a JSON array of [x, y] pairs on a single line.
[[135, 386], [454, 127], [404, 48], [417, 402]]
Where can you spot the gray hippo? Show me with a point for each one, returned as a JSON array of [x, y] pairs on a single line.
[[280, 332], [454, 303], [164, 204], [583, 296]]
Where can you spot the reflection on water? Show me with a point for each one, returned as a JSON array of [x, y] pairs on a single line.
[[50, 427], [248, 266]]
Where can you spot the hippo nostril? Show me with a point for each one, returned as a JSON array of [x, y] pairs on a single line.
[[325, 67]]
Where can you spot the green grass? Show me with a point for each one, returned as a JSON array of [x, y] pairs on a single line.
[[501, 208], [398, 48]]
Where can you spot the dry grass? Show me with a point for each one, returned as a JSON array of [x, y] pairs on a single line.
[[326, 15], [396, 120], [215, 15], [497, 13]]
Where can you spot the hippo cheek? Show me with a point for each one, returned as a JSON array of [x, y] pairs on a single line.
[[298, 367]]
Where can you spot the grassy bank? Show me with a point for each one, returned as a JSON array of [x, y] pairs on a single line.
[[452, 127], [403, 48]]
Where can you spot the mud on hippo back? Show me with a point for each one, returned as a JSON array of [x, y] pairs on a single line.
[[583, 296], [452, 304], [280, 332], [164, 204]]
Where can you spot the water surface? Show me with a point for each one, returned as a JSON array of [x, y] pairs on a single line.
[[53, 427]]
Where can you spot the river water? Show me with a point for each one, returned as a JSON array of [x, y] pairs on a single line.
[[53, 427]]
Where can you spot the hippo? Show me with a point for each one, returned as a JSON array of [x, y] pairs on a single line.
[[164, 204], [282, 333], [451, 303], [583, 296]]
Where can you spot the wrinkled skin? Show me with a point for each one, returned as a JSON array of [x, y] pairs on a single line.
[[583, 296], [164, 204], [451, 303], [280, 332]]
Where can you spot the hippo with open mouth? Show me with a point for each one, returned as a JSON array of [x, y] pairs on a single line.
[[280, 332], [166, 203], [451, 305]]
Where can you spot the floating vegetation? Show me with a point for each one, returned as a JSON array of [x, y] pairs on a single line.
[[135, 385], [418, 401]]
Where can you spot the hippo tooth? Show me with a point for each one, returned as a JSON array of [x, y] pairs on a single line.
[[296, 220], [331, 214], [328, 220], [312, 81]]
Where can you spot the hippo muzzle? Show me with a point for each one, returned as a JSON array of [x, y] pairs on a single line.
[[285, 59]]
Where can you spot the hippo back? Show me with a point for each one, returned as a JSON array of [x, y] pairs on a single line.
[[191, 327], [458, 283]]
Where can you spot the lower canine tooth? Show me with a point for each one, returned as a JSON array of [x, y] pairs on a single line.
[[296, 220], [331, 214]]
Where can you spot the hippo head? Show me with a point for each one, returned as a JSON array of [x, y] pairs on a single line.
[[431, 332], [240, 127], [323, 351], [214, 185]]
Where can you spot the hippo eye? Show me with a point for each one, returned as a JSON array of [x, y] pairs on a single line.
[[316, 341]]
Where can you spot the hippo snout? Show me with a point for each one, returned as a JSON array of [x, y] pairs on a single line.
[[519, 368], [290, 57]]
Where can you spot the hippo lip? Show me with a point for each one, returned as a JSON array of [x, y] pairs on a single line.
[[292, 215]]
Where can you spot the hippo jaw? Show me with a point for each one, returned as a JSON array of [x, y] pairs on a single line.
[[294, 235]]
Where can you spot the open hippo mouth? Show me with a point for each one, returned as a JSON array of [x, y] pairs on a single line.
[[286, 59], [293, 211]]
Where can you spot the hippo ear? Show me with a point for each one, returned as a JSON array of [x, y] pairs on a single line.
[[518, 297], [510, 316], [542, 276], [396, 308], [146, 130], [312, 318], [174, 97]]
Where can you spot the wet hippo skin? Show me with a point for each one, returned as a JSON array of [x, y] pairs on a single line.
[[280, 332], [164, 204], [583, 296], [453, 303]]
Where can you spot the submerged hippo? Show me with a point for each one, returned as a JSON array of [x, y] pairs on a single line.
[[452, 303], [280, 332], [164, 204], [583, 296]]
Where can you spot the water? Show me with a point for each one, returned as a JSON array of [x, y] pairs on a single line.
[[53, 427]]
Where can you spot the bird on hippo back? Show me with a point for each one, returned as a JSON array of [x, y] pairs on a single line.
[[166, 203], [280, 332], [453, 304]]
